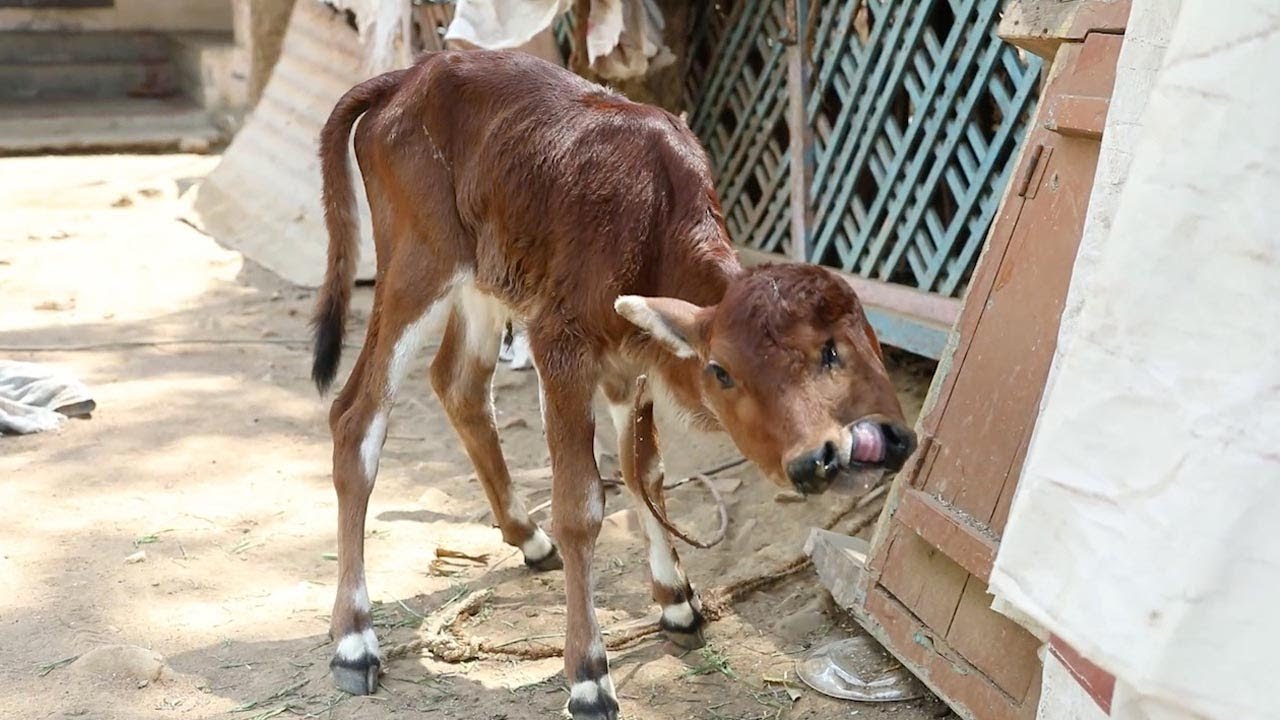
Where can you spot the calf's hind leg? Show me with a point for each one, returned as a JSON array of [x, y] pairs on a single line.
[[358, 420]]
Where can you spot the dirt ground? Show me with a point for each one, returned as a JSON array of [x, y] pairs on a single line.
[[193, 514]]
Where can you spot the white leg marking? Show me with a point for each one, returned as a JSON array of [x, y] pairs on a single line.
[[360, 598], [661, 559], [407, 345], [596, 648], [606, 684], [485, 318], [371, 446], [679, 615], [623, 418], [593, 508], [542, 401], [585, 691], [354, 646], [521, 354], [538, 547]]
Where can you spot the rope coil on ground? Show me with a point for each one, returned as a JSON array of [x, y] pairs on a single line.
[[448, 642]]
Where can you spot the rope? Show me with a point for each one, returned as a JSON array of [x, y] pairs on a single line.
[[449, 642], [658, 514]]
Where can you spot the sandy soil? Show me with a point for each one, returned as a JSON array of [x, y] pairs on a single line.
[[209, 454]]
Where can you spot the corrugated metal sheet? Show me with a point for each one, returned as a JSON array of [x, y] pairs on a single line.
[[263, 199]]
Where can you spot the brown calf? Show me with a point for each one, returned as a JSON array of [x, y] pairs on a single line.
[[503, 186]]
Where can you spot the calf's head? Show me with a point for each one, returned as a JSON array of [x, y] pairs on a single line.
[[793, 372]]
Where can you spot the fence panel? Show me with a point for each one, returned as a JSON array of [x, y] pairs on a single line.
[[916, 110]]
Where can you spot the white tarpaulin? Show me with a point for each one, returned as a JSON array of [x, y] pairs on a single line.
[[263, 199], [1144, 532]]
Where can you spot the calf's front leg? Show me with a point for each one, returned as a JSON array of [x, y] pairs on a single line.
[[577, 508], [682, 620]]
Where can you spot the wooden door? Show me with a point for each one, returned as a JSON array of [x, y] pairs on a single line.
[[925, 590]]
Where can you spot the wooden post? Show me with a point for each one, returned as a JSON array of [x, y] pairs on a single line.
[[798, 127]]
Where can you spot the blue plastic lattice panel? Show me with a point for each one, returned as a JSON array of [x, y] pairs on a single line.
[[737, 86], [917, 110]]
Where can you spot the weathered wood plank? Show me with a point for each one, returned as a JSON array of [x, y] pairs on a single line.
[[970, 545]]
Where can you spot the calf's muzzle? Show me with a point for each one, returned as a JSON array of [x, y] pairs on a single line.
[[867, 445]]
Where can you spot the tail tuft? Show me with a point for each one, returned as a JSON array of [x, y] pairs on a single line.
[[329, 325]]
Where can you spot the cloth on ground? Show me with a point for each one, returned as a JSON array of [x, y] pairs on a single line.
[[35, 398]]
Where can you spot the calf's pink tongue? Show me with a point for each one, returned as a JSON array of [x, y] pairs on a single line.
[[868, 443]]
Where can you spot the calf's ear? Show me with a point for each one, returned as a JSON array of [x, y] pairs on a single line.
[[680, 326]]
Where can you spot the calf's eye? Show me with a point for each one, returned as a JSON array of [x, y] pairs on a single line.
[[830, 358], [722, 375]]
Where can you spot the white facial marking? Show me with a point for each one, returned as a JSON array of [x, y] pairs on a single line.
[[606, 685], [371, 445], [679, 615], [354, 646], [537, 547], [636, 310]]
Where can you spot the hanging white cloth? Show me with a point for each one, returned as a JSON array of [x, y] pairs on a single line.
[[624, 37], [1144, 532]]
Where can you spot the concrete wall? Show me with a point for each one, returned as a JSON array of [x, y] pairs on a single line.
[[172, 15], [259, 29]]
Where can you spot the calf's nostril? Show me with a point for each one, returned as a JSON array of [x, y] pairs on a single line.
[[828, 459], [901, 440]]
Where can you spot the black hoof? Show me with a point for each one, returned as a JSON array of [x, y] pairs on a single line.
[[687, 635], [551, 562], [686, 640], [358, 677], [601, 707]]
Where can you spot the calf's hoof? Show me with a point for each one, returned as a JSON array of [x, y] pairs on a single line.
[[593, 701], [546, 564], [358, 677], [356, 663], [682, 622], [686, 639], [540, 554]]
